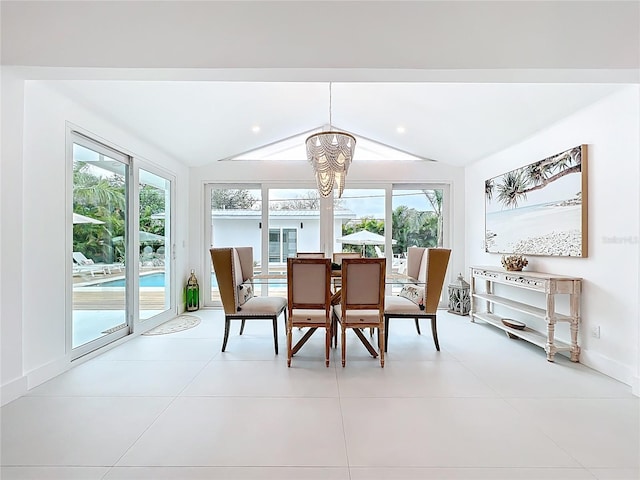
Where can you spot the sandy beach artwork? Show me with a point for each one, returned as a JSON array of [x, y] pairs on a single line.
[[541, 208]]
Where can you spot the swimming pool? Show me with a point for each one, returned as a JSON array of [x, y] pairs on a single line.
[[151, 280], [157, 280]]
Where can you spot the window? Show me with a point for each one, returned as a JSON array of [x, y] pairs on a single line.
[[395, 216], [282, 244], [360, 210], [236, 220], [294, 225], [416, 221]]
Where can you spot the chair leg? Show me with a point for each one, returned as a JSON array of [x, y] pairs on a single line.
[[381, 345], [289, 342], [226, 333], [327, 344], [434, 330], [343, 343], [334, 332], [386, 332], [275, 333], [418, 326], [242, 326]]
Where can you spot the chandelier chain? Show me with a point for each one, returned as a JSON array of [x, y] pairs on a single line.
[[330, 106]]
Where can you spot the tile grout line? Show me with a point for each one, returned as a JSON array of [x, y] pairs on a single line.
[[158, 416], [344, 434]]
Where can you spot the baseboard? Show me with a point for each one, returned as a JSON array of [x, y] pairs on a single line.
[[12, 390], [609, 367], [46, 372]]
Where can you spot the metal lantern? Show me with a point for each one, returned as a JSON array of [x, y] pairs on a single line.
[[192, 293], [459, 297]]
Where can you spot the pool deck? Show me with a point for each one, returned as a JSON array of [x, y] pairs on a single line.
[[85, 279], [151, 298]]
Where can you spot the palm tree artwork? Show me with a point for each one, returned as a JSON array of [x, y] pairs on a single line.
[[539, 209]]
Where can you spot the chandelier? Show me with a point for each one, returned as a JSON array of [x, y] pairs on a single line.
[[330, 153]]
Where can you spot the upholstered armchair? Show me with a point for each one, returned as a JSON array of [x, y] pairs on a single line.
[[427, 266], [234, 271]]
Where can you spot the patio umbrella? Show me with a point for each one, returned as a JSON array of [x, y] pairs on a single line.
[[363, 237], [145, 237], [77, 218]]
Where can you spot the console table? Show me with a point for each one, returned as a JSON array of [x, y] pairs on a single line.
[[548, 284]]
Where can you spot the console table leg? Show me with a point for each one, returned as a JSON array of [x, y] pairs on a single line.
[[575, 320], [473, 303], [575, 349], [550, 347]]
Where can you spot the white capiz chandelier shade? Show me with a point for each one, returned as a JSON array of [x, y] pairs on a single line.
[[330, 153]]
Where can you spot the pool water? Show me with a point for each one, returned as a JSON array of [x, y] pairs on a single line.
[[157, 280], [152, 280]]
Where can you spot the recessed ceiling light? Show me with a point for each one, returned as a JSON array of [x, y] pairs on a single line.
[[255, 128], [400, 129]]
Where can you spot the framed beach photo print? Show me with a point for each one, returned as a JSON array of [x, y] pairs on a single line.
[[541, 208]]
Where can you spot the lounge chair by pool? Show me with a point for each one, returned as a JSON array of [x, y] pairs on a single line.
[[87, 265]]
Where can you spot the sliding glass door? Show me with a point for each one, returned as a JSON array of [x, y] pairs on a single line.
[[100, 230], [154, 240]]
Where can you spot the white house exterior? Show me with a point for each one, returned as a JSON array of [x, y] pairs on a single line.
[[290, 231]]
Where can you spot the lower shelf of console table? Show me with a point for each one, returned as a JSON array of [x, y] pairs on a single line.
[[548, 284]]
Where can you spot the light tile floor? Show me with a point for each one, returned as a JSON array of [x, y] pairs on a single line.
[[175, 407]]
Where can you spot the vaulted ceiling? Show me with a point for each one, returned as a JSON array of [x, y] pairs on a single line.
[[454, 123]]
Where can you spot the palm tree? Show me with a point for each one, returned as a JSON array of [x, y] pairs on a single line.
[[103, 199], [517, 183], [90, 190], [488, 189], [404, 221], [513, 188], [435, 199]]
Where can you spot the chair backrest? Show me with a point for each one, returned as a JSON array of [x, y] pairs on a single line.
[[80, 259], [232, 266], [245, 255], [414, 259], [363, 283], [339, 256], [310, 255], [309, 283], [379, 252], [433, 268]]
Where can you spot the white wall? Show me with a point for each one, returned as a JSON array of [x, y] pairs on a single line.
[[610, 272], [13, 382], [35, 254]]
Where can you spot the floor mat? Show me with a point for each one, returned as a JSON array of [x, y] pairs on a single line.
[[182, 322]]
